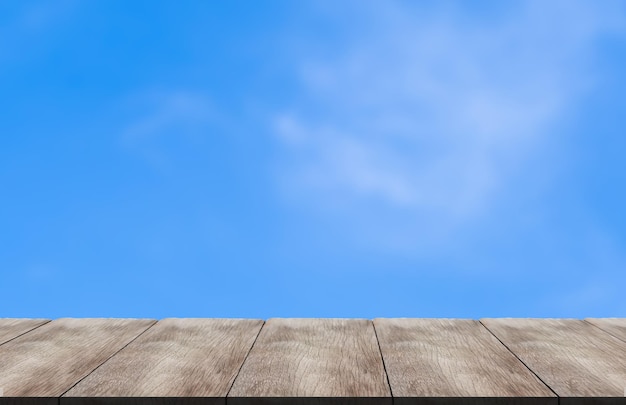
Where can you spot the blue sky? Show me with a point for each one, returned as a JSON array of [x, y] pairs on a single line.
[[312, 159]]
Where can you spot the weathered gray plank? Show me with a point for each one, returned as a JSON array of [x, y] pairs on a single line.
[[13, 327], [573, 357], [451, 358], [50, 359], [313, 358], [175, 358], [613, 326]]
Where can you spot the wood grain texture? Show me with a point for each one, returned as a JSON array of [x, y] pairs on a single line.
[[11, 328], [574, 358], [613, 326], [313, 358], [50, 359], [451, 358], [175, 358]]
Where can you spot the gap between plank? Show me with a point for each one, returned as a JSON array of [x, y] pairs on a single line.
[[383, 360], [521, 361], [244, 361], [605, 331], [28, 331], [109, 358]]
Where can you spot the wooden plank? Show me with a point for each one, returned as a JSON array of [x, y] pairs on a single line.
[[451, 358], [175, 358], [613, 326], [50, 359], [313, 358], [573, 357], [11, 328]]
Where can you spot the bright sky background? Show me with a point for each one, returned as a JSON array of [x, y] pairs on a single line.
[[313, 158]]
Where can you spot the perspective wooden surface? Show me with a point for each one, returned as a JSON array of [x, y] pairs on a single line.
[[574, 358], [301, 357], [443, 357], [175, 358], [314, 358]]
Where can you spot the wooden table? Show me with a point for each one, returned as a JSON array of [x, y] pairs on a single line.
[[309, 360]]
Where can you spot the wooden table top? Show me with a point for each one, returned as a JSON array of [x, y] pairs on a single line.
[[390, 359]]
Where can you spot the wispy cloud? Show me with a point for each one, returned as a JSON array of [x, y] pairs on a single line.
[[596, 295], [432, 110], [25, 26], [158, 118], [39, 273], [167, 110]]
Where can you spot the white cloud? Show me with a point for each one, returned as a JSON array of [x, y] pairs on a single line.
[[160, 118], [432, 111], [24, 27], [596, 295], [166, 111]]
